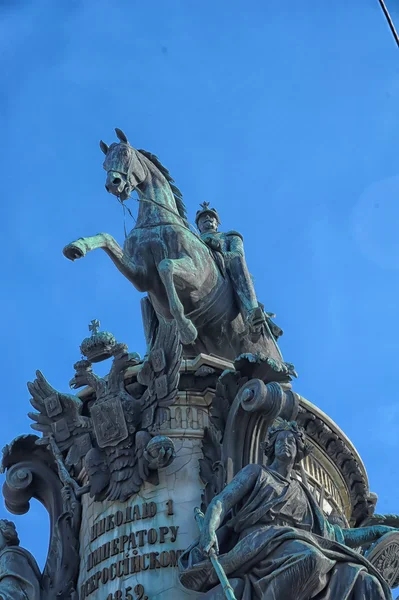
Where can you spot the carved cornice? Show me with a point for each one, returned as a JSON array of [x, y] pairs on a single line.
[[189, 367], [319, 430]]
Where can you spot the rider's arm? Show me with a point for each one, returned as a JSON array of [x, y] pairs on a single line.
[[235, 245]]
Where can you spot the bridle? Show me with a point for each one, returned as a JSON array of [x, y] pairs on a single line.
[[128, 175], [184, 223]]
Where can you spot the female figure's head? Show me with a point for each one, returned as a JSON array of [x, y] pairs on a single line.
[[285, 443], [8, 534]]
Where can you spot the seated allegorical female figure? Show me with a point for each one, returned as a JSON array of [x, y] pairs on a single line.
[[274, 541], [19, 573]]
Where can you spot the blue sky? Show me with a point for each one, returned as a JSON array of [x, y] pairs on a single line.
[[284, 115]]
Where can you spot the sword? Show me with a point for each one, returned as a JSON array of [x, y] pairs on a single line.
[[63, 473], [227, 589]]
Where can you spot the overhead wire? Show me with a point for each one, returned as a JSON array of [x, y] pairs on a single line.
[[390, 22]]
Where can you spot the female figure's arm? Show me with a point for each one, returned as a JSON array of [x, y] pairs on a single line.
[[354, 538], [219, 507]]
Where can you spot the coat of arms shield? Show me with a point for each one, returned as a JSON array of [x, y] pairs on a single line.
[[109, 422]]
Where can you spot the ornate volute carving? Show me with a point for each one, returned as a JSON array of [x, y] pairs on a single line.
[[247, 400], [31, 472]]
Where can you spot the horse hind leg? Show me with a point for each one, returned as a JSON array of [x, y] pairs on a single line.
[[150, 323], [168, 269]]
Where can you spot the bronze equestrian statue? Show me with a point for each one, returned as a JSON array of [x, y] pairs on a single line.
[[211, 298]]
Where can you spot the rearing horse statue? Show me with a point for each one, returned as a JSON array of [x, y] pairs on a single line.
[[163, 257]]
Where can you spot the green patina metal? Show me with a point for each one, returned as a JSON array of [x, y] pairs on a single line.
[[200, 281]]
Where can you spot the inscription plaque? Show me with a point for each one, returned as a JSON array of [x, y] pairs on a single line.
[[130, 550]]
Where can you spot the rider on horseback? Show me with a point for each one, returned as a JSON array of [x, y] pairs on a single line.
[[230, 246], [209, 293]]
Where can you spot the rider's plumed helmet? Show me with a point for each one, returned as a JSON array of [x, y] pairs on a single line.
[[206, 209]]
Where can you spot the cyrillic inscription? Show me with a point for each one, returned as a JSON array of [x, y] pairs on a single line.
[[128, 550]]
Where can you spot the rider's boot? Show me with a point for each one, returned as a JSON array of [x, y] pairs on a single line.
[[256, 321]]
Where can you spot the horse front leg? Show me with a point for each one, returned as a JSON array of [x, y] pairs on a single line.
[[79, 248], [183, 269]]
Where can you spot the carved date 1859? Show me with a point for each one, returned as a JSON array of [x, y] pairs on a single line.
[[127, 595]]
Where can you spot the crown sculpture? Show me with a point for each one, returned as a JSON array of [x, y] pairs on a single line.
[[196, 471]]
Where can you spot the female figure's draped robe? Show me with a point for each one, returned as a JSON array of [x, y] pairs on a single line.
[[280, 546], [19, 575]]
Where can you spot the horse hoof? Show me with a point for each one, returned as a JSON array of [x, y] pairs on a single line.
[[73, 251], [188, 333]]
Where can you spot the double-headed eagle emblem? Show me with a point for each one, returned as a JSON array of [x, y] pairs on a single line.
[[113, 441]]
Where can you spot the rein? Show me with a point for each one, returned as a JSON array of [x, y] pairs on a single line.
[[192, 231], [177, 224], [184, 223], [151, 201]]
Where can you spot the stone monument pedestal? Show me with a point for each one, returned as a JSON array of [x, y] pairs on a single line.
[[130, 550], [133, 547]]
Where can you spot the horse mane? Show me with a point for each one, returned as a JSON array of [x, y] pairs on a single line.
[[178, 196]]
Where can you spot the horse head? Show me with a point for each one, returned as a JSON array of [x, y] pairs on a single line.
[[125, 170]]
